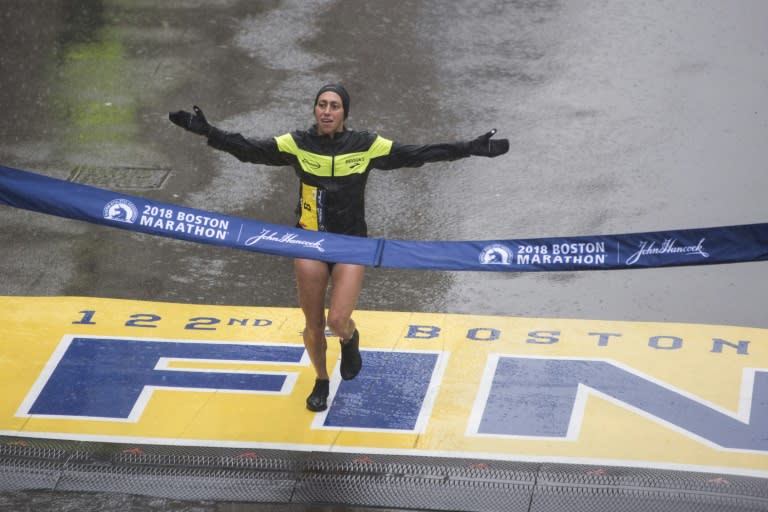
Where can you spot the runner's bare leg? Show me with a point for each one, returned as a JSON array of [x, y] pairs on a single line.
[[312, 281], [346, 283]]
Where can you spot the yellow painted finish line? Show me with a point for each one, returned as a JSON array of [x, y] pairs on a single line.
[[660, 395]]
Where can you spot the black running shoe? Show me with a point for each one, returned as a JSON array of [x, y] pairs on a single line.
[[351, 362], [317, 400]]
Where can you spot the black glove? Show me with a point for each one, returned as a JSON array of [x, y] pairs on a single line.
[[484, 146], [195, 123]]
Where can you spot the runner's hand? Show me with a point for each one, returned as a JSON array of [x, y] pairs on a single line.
[[484, 146], [195, 123]]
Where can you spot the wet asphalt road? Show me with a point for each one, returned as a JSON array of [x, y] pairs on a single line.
[[622, 116]]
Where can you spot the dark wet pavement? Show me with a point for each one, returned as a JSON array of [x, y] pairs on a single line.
[[622, 118]]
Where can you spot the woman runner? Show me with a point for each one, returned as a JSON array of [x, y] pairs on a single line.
[[332, 163]]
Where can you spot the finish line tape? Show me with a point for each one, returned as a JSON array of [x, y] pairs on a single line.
[[703, 246]]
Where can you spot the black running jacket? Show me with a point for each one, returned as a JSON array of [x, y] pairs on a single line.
[[333, 172]]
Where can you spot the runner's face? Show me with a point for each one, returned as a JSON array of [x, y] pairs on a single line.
[[329, 113]]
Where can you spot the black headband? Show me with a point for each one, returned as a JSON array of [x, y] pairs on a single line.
[[341, 91]]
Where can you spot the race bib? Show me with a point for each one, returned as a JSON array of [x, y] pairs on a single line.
[[312, 206]]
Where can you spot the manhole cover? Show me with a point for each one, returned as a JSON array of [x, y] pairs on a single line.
[[137, 178]]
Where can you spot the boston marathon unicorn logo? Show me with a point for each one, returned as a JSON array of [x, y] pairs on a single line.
[[496, 254], [121, 210]]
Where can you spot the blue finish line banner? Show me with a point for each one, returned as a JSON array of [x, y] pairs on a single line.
[[705, 246]]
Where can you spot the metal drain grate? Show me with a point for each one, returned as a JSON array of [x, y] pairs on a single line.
[[134, 178], [81, 469]]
